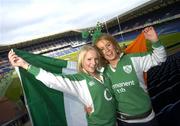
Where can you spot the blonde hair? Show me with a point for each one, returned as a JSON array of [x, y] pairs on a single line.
[[82, 54]]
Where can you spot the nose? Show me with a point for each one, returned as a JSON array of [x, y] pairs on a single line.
[[94, 62]]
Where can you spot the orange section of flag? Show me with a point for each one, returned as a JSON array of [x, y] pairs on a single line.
[[138, 45]]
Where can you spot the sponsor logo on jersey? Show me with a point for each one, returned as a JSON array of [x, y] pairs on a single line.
[[127, 69], [121, 87], [123, 84]]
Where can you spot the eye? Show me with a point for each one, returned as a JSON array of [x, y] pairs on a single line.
[[108, 44], [102, 49], [89, 59]]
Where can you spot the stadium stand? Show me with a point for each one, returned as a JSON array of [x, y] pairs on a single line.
[[164, 88], [11, 111], [169, 115]]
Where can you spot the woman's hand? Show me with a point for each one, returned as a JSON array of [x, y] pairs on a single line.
[[17, 61], [88, 109], [150, 34]]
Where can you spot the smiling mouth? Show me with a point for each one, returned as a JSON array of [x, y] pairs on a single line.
[[109, 54], [92, 67]]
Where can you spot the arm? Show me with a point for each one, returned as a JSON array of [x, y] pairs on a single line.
[[49, 79], [147, 60], [62, 83]]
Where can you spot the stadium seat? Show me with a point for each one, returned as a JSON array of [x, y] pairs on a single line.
[[165, 97], [158, 88], [161, 100], [174, 77], [169, 115]]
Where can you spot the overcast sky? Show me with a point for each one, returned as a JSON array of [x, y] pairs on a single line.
[[22, 20]]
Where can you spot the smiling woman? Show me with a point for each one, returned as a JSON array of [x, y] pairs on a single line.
[[126, 74]]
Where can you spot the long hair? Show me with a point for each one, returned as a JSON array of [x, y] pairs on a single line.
[[112, 40], [82, 54]]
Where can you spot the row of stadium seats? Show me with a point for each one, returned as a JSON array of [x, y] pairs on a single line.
[[62, 52], [164, 87], [169, 115], [168, 27], [167, 71], [5, 81], [55, 51], [161, 13]]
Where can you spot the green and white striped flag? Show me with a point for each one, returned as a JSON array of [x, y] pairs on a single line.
[[48, 107]]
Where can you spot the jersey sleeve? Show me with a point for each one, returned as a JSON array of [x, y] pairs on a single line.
[[147, 60], [64, 83]]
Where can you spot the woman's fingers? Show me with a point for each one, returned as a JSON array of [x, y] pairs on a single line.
[[147, 29], [150, 34], [88, 109], [13, 58]]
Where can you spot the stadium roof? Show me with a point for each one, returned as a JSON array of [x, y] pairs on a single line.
[[23, 20], [140, 10]]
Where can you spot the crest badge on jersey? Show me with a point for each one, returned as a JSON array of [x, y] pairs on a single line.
[[91, 83], [127, 69]]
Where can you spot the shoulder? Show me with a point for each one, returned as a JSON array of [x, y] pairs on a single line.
[[75, 77], [133, 55]]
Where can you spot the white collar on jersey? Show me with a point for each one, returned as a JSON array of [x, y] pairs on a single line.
[[114, 69]]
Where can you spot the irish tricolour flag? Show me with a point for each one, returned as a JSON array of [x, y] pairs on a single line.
[[48, 107]]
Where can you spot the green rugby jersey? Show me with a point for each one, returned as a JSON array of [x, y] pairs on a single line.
[[128, 83], [90, 91]]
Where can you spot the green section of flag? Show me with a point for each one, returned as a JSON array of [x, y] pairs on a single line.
[[46, 105]]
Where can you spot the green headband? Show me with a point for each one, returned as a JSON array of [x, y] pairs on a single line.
[[94, 32]]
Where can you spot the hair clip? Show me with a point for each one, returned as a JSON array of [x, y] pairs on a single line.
[[93, 33]]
